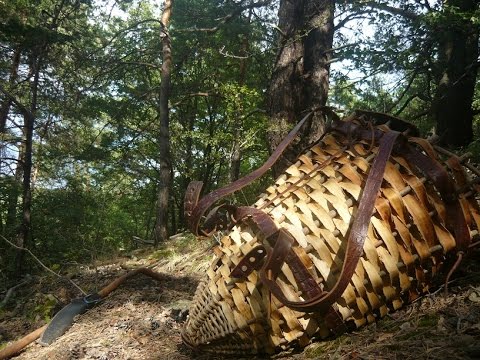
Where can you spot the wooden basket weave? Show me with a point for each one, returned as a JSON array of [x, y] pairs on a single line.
[[424, 214]]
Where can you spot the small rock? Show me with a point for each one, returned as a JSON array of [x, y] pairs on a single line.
[[474, 297], [179, 315]]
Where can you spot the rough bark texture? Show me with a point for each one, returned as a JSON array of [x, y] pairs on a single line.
[[13, 196], [458, 57], [301, 73], [23, 235], [5, 106], [161, 225], [7, 102]]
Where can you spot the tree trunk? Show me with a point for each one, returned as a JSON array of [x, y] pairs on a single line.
[[161, 225], [300, 76], [7, 103], [13, 196], [458, 57], [7, 230], [186, 176], [29, 121], [236, 154]]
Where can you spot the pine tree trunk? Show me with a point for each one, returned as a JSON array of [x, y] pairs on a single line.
[[300, 78], [458, 57], [5, 107], [23, 235], [7, 103], [161, 225], [13, 196]]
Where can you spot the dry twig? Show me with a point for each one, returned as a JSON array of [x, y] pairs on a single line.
[[42, 264]]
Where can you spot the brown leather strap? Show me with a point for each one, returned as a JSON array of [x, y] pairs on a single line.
[[355, 241], [455, 219], [251, 261], [282, 243], [432, 169], [194, 209]]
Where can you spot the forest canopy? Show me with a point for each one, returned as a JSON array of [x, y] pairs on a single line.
[[104, 104]]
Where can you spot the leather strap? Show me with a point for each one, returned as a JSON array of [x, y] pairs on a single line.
[[281, 241], [250, 262], [432, 169], [455, 219], [355, 241], [194, 209]]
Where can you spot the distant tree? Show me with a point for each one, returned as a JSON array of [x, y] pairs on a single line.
[[165, 171]]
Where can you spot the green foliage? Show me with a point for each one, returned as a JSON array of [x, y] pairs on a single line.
[[44, 308], [95, 144]]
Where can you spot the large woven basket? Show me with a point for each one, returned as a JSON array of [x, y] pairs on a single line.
[[422, 215]]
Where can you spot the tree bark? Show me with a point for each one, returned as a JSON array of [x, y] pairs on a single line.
[[29, 122], [458, 57], [7, 102], [300, 78], [4, 111], [161, 225], [13, 196]]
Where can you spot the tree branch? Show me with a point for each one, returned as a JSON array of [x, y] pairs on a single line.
[[10, 291], [412, 97], [229, 17], [227, 54], [201, 94], [392, 10], [42, 264], [349, 18], [23, 109], [404, 92]]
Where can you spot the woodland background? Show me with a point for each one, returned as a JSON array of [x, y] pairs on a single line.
[[108, 109]]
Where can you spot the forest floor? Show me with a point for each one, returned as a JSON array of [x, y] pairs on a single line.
[[142, 319]]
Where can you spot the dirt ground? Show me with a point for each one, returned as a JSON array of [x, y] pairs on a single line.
[[143, 318]]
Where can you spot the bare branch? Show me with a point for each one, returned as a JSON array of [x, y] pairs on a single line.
[[404, 92], [340, 48], [10, 291], [284, 34], [405, 104], [227, 54], [13, 159], [332, 60], [42, 264]]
